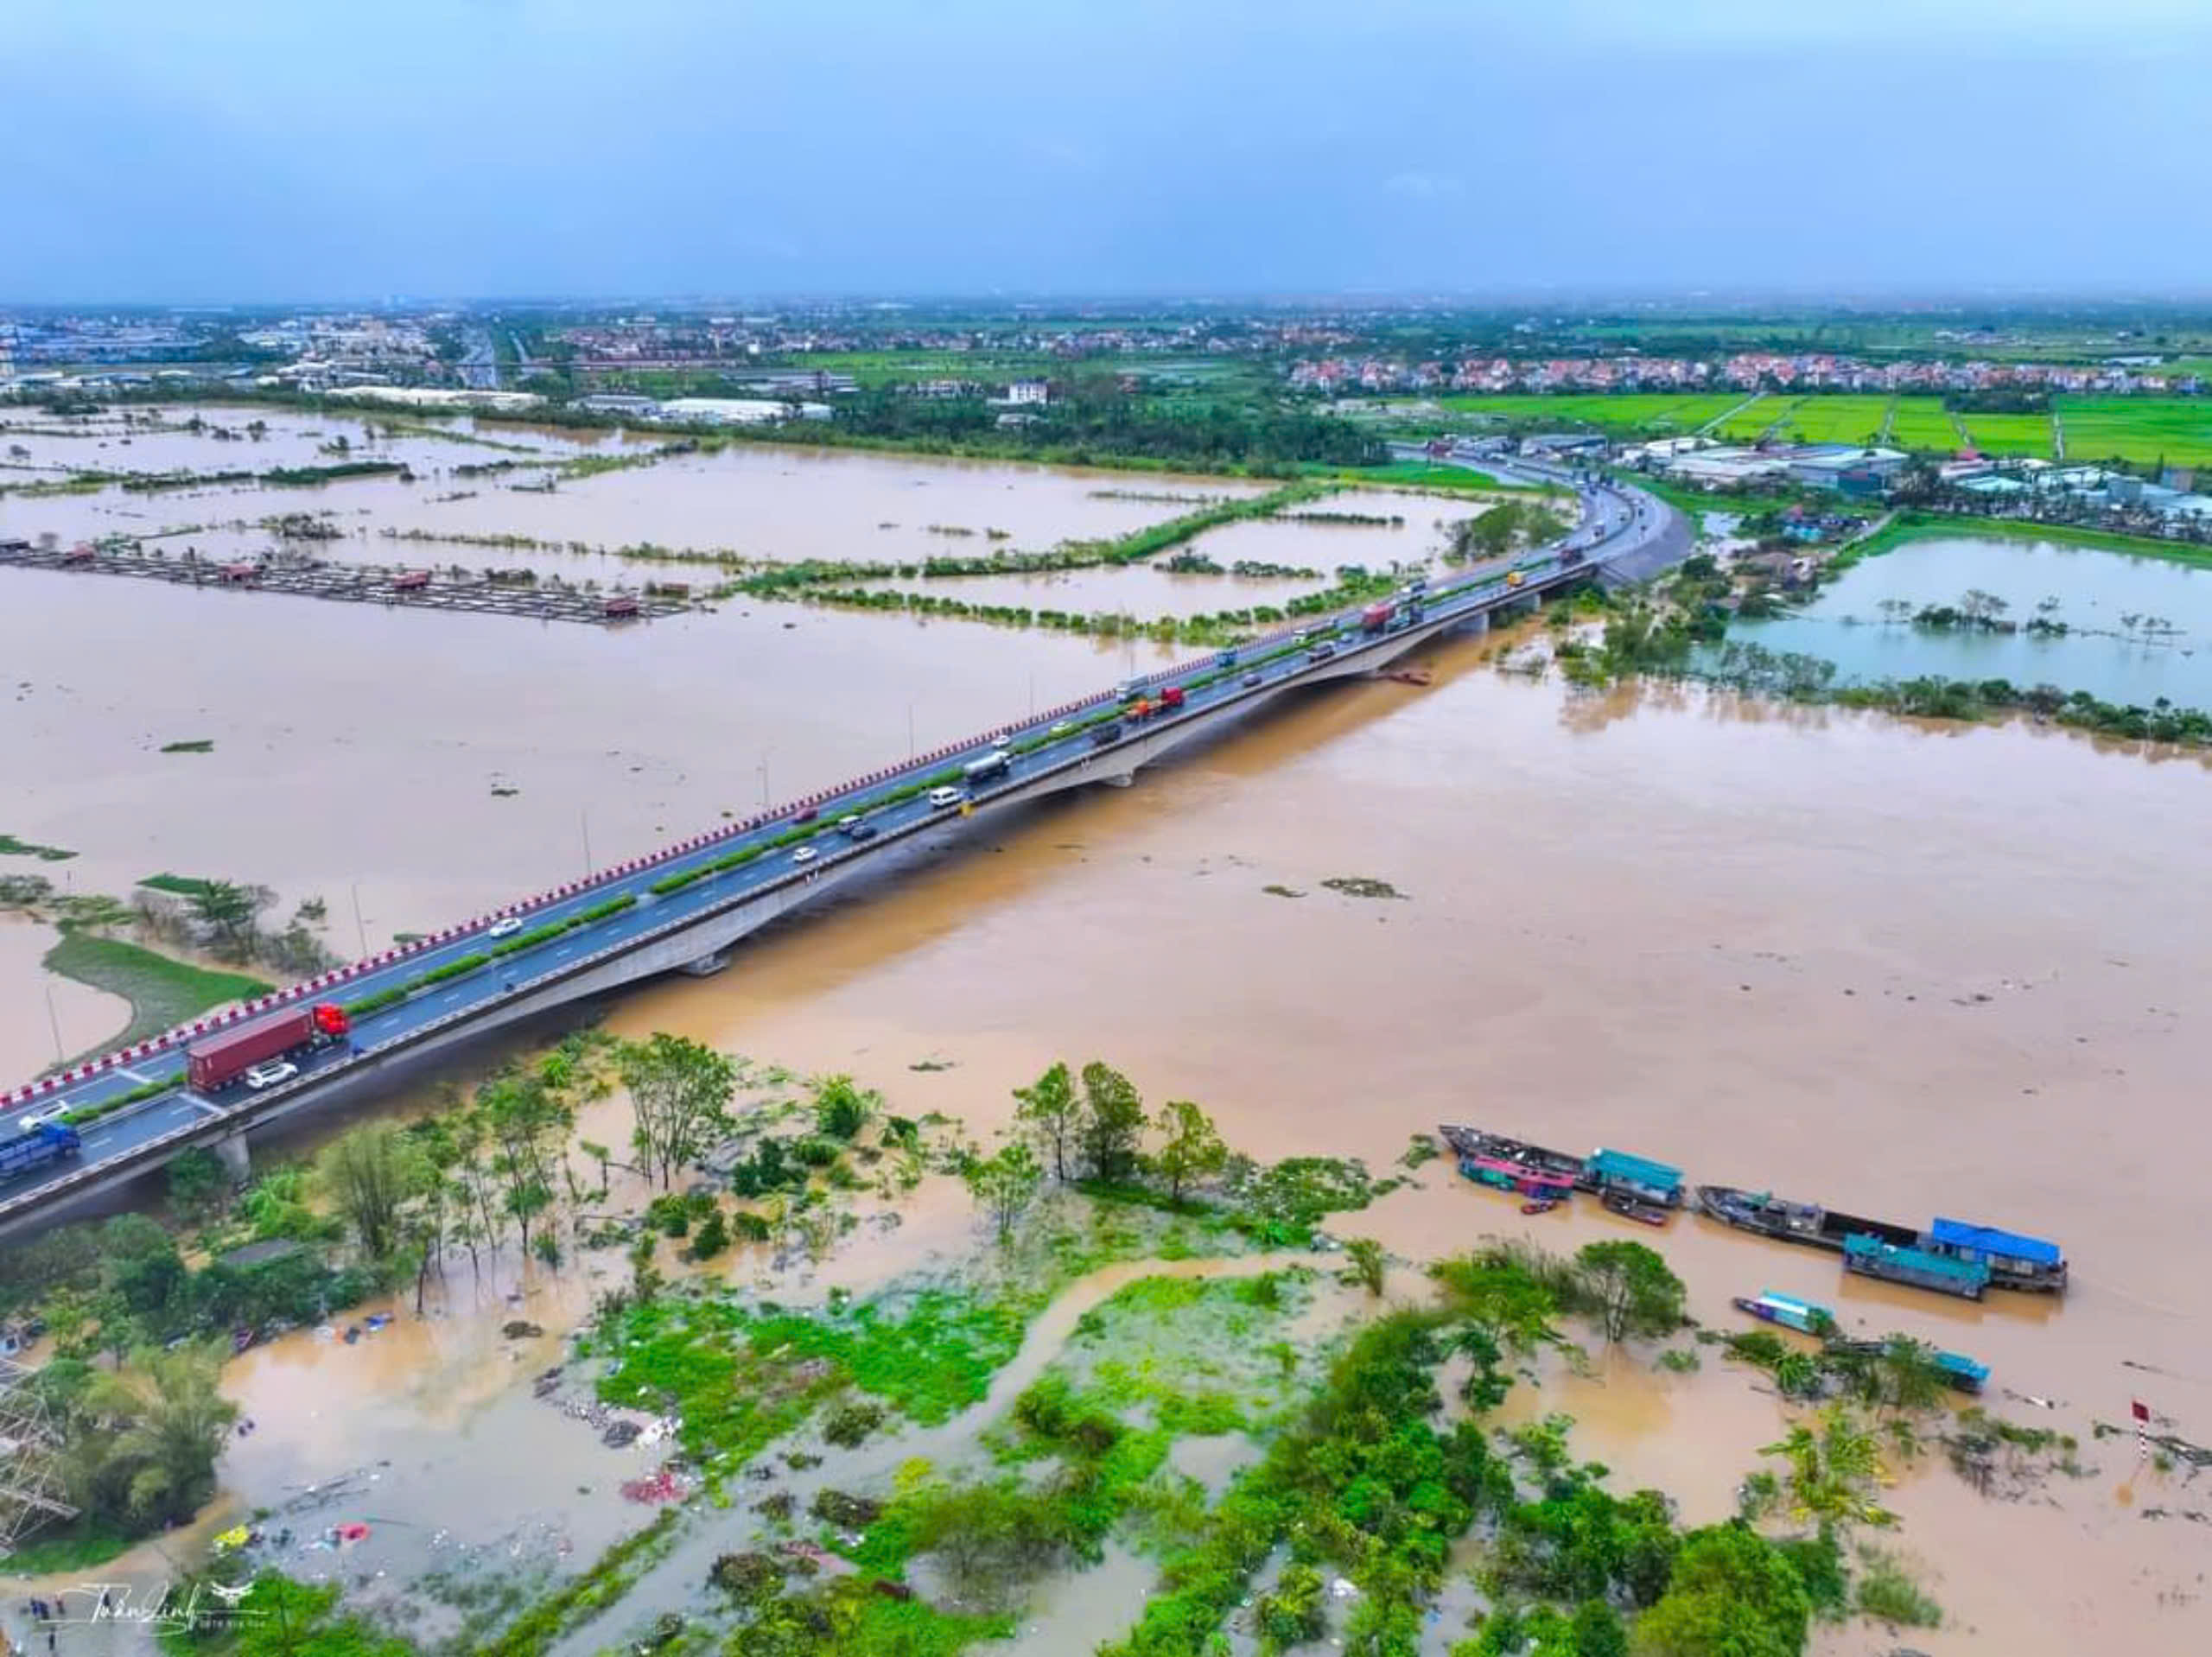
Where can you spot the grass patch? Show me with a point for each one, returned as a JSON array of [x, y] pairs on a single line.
[[162, 993], [77, 1546], [1887, 1592], [741, 1379], [198, 744], [11, 847], [179, 885], [2143, 430]]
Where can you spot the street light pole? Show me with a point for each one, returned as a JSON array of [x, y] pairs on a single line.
[[55, 1018], [763, 769], [360, 931], [910, 732], [584, 817]]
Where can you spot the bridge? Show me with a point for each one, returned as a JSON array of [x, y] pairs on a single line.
[[682, 908]]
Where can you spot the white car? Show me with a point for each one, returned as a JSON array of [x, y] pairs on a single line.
[[44, 1115], [269, 1074], [803, 854], [504, 929], [942, 797]]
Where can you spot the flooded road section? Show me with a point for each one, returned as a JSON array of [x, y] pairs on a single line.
[[1903, 971]]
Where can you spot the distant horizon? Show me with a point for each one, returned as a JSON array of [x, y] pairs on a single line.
[[1904, 301]]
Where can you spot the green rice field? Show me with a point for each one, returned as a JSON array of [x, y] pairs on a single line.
[[1657, 413], [1837, 419], [1750, 422], [1922, 423], [2010, 434], [2146, 429], [2141, 429]]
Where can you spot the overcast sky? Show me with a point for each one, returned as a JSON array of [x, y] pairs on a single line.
[[216, 149]]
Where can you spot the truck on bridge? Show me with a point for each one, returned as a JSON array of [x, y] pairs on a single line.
[[221, 1059], [34, 1147]]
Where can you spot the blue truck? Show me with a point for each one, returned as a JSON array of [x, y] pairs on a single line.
[[36, 1146]]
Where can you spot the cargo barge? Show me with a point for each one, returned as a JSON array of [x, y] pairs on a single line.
[[1991, 1258], [1630, 1185]]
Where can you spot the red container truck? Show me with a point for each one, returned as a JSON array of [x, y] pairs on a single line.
[[1171, 697], [1376, 617], [217, 1061]]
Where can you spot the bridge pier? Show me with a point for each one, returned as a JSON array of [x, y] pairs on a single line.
[[231, 1149], [709, 964]]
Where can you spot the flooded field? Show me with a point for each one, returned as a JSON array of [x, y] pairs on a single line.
[[2137, 628], [751, 501]]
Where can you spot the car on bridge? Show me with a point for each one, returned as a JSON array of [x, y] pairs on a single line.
[[506, 927], [942, 798], [269, 1074], [31, 1120], [803, 854]]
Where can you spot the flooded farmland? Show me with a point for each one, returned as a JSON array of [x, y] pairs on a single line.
[[1906, 970], [2125, 627]]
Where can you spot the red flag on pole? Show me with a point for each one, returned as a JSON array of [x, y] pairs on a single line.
[[2142, 1411]]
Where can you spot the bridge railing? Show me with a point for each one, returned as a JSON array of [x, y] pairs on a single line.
[[323, 982]]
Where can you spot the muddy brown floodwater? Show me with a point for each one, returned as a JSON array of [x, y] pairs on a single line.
[[1904, 971]]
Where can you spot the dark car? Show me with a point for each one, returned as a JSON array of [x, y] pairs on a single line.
[[1251, 679], [1103, 736], [860, 831]]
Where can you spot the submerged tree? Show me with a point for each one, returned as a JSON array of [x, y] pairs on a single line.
[[1193, 1148], [680, 1091], [1633, 1290], [370, 1173], [1113, 1121], [1052, 1115], [1004, 1183]]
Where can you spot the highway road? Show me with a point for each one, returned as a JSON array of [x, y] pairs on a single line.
[[1616, 523]]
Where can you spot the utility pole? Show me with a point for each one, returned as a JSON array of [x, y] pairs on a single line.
[[910, 732], [763, 769], [55, 1018], [360, 929], [584, 819]]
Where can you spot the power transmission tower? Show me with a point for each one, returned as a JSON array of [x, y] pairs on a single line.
[[31, 1491]]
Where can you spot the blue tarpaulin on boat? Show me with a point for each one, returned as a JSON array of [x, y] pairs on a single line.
[[1618, 1165], [1957, 1234]]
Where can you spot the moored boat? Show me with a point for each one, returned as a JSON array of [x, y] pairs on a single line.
[[1788, 1311], [1769, 1216], [1871, 1257], [1472, 1143], [2013, 1261], [1629, 1209], [1616, 1173], [1965, 1374]]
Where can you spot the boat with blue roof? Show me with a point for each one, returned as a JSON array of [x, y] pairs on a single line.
[[1990, 1258]]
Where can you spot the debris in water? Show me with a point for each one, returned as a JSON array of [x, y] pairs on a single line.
[[662, 1486], [1276, 891], [521, 1330], [1360, 886]]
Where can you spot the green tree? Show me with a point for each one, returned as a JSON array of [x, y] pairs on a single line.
[[1733, 1595], [1004, 1185], [680, 1091], [1193, 1148], [1634, 1291], [1835, 1465], [229, 912], [525, 1125], [1052, 1115], [1113, 1120], [199, 1184], [370, 1173], [169, 1421], [1369, 1263]]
